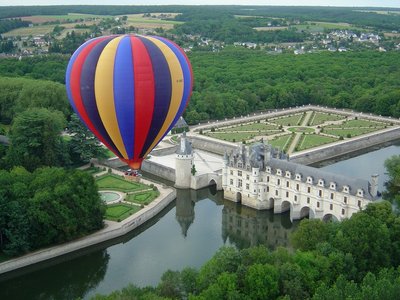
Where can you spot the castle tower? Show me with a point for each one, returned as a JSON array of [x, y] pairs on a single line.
[[183, 163], [374, 185], [225, 171]]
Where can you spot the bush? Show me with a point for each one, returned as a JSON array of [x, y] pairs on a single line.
[[109, 170], [340, 138], [155, 188], [212, 129], [348, 135]]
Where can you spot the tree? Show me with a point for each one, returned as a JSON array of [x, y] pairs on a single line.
[[35, 139], [193, 170], [83, 144], [392, 192]]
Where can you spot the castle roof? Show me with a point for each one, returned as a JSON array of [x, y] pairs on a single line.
[[185, 147], [305, 171]]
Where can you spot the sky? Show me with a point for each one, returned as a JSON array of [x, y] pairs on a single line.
[[353, 3]]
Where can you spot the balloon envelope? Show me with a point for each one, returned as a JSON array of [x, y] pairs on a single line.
[[129, 91]]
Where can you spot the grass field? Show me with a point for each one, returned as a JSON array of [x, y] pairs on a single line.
[[292, 120], [321, 26], [351, 132], [250, 127], [281, 141], [232, 136], [314, 140], [320, 118], [117, 183], [143, 197], [271, 28], [120, 211], [362, 123]]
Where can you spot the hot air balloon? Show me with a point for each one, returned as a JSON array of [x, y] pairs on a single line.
[[129, 91]]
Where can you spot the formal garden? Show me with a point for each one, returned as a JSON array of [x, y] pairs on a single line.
[[133, 196], [298, 131]]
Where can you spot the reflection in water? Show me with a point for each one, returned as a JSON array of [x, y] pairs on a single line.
[[246, 227], [63, 282], [186, 233]]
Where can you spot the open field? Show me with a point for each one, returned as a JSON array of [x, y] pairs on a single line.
[[349, 132], [114, 182], [38, 19], [382, 12], [321, 26], [271, 28], [314, 140], [232, 136], [120, 211], [138, 20]]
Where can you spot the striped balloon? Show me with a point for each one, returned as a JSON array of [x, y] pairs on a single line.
[[129, 91]]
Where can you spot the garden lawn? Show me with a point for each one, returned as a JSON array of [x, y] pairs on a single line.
[[292, 120], [358, 123], [281, 141], [114, 182], [301, 129], [120, 211], [349, 131], [143, 197], [250, 127], [320, 118], [232, 136], [314, 140]]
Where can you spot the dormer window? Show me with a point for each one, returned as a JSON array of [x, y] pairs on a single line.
[[279, 172], [333, 186], [321, 182], [287, 174], [345, 189], [240, 165], [360, 193], [309, 180], [298, 177], [268, 169]]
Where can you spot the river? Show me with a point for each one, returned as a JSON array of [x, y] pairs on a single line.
[[187, 233]]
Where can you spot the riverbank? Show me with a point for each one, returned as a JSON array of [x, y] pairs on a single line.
[[110, 231]]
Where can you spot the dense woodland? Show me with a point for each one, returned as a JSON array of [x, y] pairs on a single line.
[[46, 207], [238, 81]]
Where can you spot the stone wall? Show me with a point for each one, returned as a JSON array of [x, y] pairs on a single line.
[[211, 145], [159, 170]]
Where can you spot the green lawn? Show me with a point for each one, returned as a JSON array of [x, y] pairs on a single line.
[[320, 118], [114, 182], [313, 140], [232, 136], [120, 211], [292, 120], [358, 123], [349, 131], [143, 197], [281, 141], [250, 127]]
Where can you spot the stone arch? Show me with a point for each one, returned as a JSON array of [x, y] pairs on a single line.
[[239, 197], [306, 212], [285, 206], [330, 217], [212, 187], [271, 203]]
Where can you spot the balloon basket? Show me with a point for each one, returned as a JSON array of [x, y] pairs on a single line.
[[132, 175]]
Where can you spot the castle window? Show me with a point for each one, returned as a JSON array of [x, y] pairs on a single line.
[[269, 170], [298, 177], [267, 188], [308, 189], [240, 183], [278, 182], [309, 180], [287, 183], [279, 172], [287, 194], [318, 204], [247, 177], [320, 193], [360, 193], [297, 187], [239, 173], [308, 200], [247, 186], [333, 186], [332, 196], [288, 174], [231, 172], [231, 182], [295, 198], [346, 189], [343, 211], [255, 191], [331, 206], [255, 180], [267, 178], [321, 182], [240, 165], [276, 192], [345, 200], [359, 203]]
